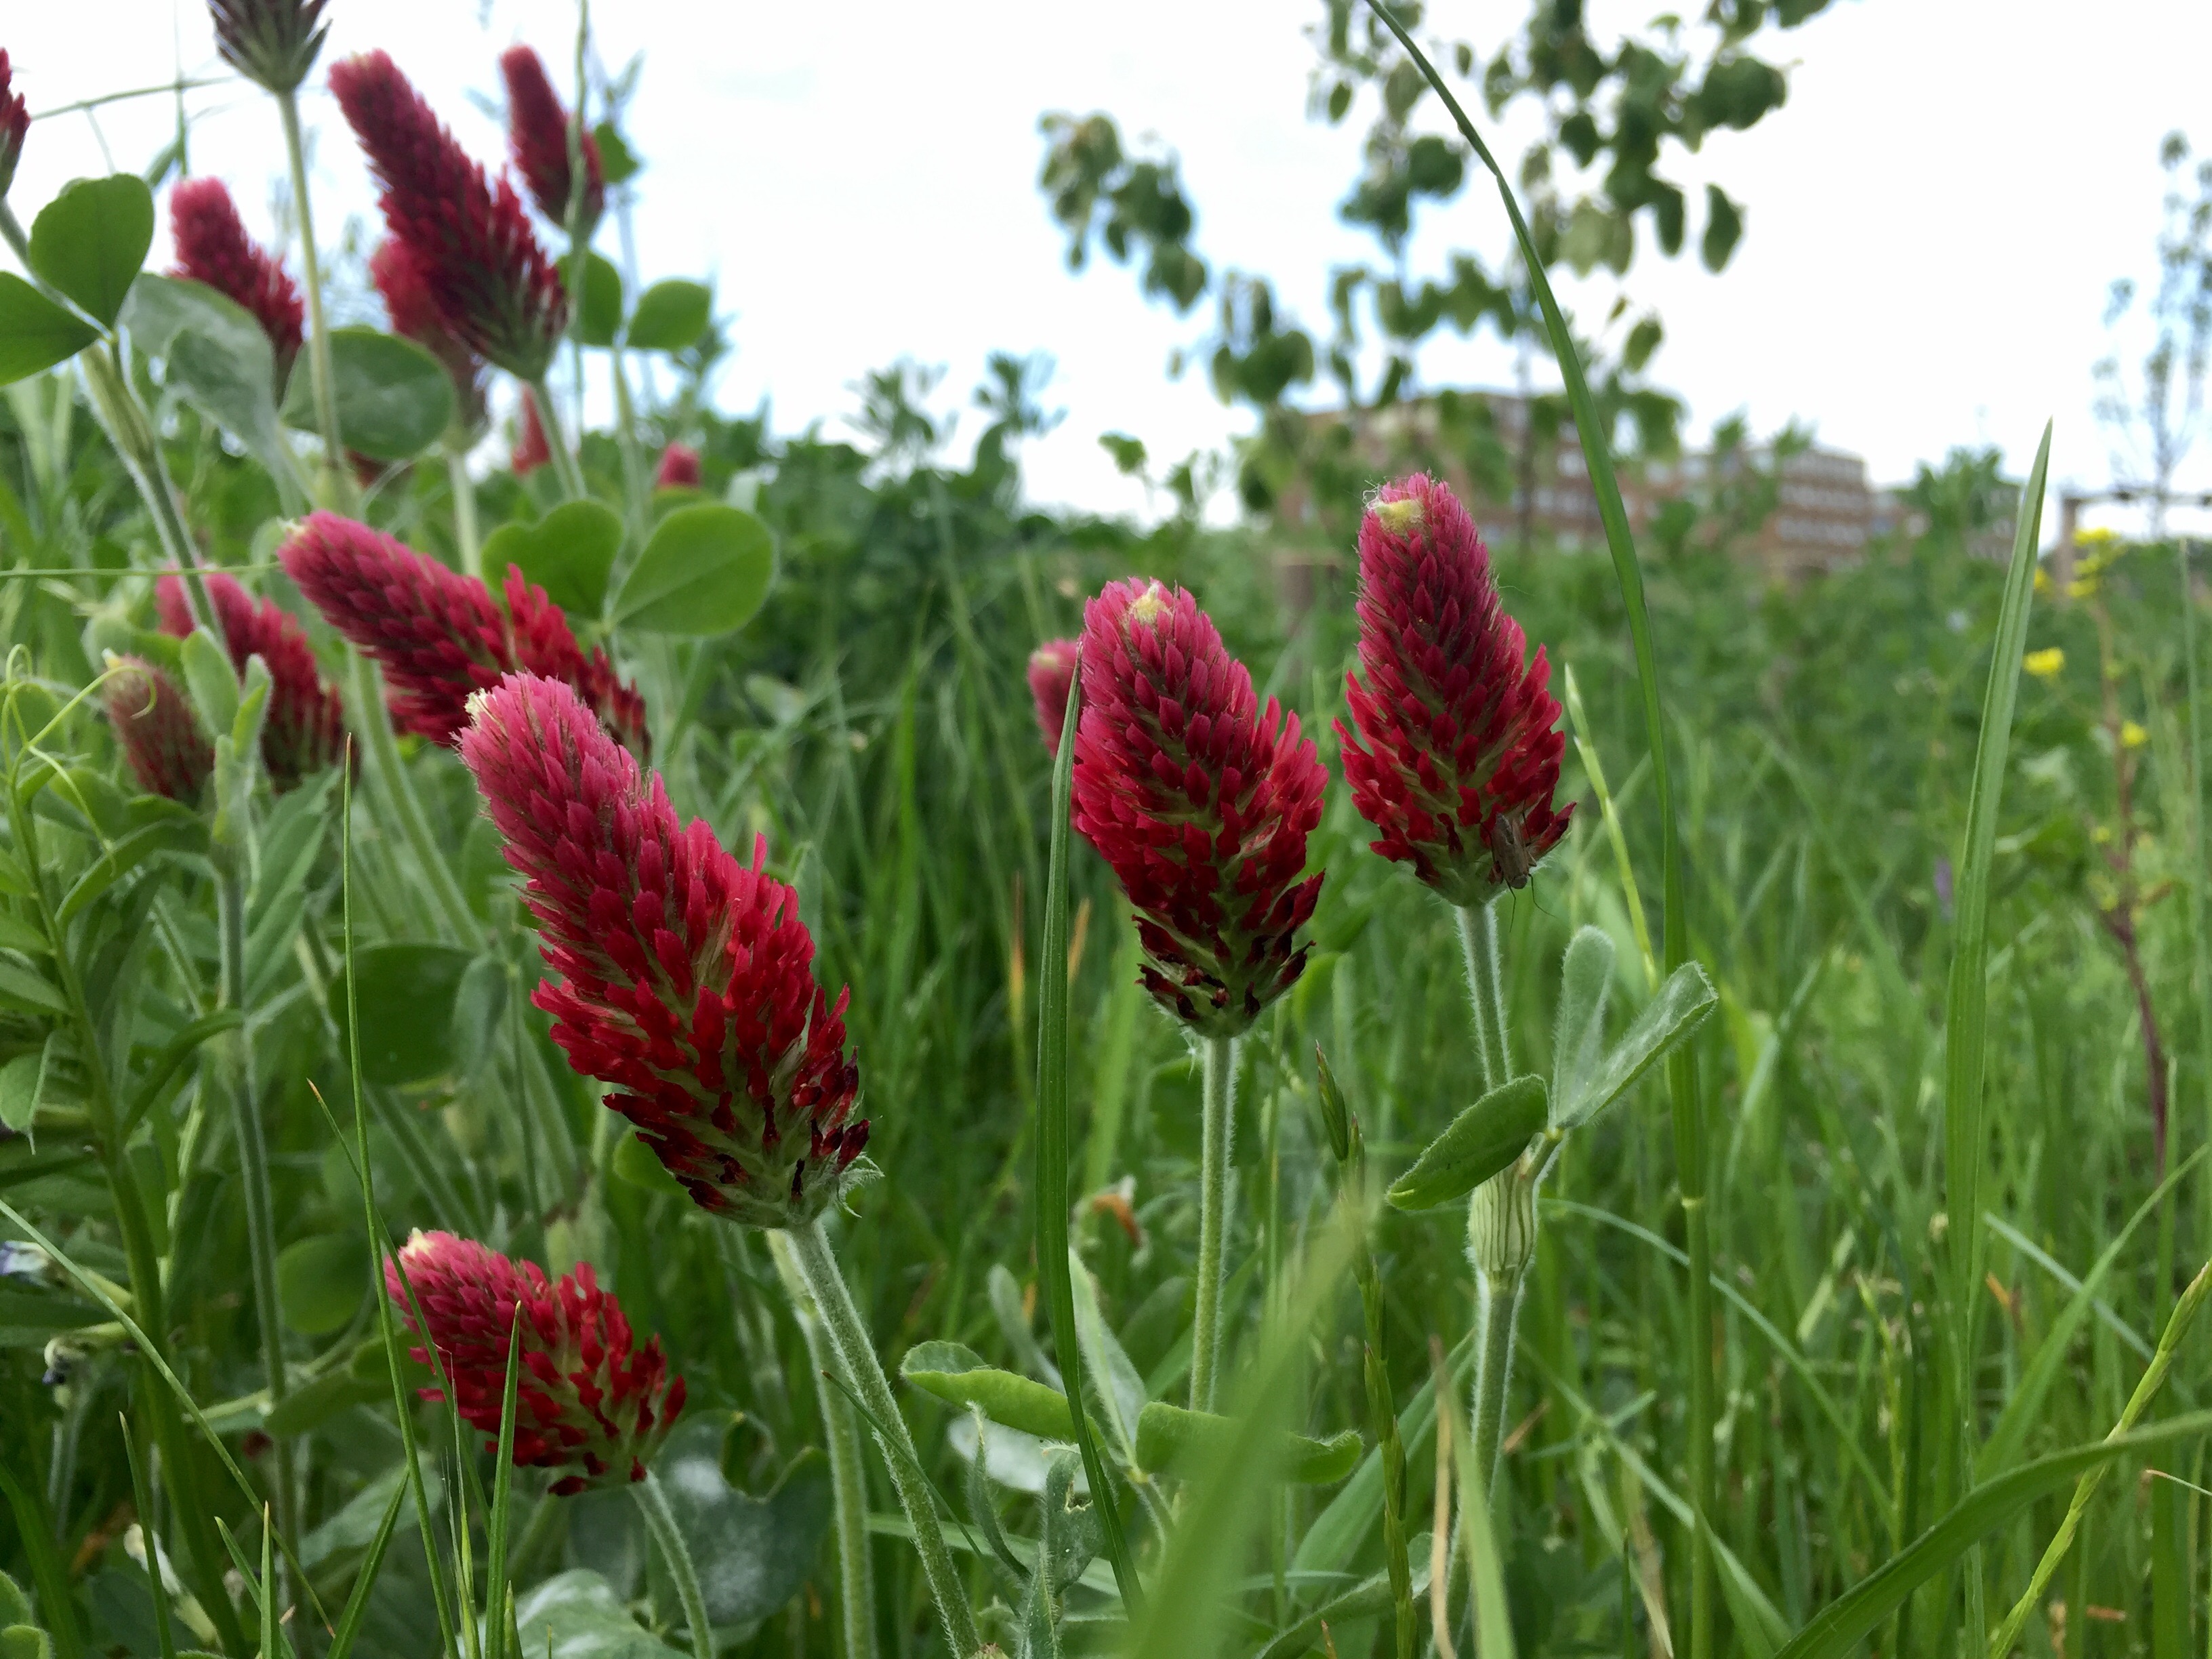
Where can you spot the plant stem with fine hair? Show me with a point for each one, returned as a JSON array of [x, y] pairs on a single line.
[[847, 1478], [864, 1374], [337, 481], [1478, 944], [556, 443], [1219, 1056], [668, 1538], [467, 539], [389, 771]]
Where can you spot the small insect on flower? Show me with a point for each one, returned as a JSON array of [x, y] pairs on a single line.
[[589, 1402], [1453, 753], [686, 979]]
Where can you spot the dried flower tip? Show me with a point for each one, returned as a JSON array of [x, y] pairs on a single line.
[[686, 979], [1454, 759], [470, 239], [272, 43], [1052, 676], [538, 138], [161, 736], [440, 635], [1199, 801], [213, 247], [589, 1402]]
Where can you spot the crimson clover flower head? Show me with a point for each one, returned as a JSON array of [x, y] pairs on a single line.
[[537, 139], [272, 43], [414, 316], [1456, 758], [530, 450], [439, 635], [469, 237], [1199, 800], [679, 469], [589, 1400], [1052, 676], [305, 730], [161, 736], [213, 247], [15, 123], [686, 979]]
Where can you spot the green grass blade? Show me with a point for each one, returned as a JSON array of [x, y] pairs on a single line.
[[356, 1606], [1052, 1155], [1838, 1628], [164, 1634], [1965, 1011], [495, 1585]]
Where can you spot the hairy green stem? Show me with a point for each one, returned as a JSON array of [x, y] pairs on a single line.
[[1478, 944], [1375, 1373], [864, 1374], [389, 771], [1496, 1309], [556, 443], [1218, 1130], [466, 535], [848, 1482], [337, 482], [668, 1538], [635, 489], [131, 436]]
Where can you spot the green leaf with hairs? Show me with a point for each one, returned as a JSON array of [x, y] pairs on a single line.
[[1166, 1434], [90, 241], [1482, 1140], [958, 1377]]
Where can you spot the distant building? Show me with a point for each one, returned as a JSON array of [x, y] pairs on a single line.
[[1812, 510]]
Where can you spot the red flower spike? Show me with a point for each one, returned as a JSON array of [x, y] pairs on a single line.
[[686, 979], [1455, 760], [588, 1399], [537, 139], [1201, 803], [470, 239], [305, 730], [1052, 675], [161, 738], [440, 637], [272, 43], [530, 450], [679, 468], [414, 316], [15, 123], [213, 247]]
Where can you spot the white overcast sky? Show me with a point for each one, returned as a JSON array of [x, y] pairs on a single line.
[[1933, 220]]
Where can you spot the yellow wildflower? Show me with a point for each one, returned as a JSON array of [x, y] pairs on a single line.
[[2045, 664], [2132, 736]]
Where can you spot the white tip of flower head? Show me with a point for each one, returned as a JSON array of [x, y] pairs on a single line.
[[418, 1246], [1149, 606], [475, 706], [1401, 516]]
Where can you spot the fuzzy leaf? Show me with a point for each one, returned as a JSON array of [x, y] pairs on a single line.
[[35, 333], [90, 241], [1481, 1140], [957, 1376], [1679, 1008], [1585, 976], [1165, 1433]]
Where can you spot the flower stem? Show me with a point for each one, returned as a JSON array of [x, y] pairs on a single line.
[[337, 482], [1478, 944], [1496, 1309], [1219, 1127], [389, 772], [556, 442], [653, 1504], [856, 1357], [466, 534], [847, 1476], [234, 1056]]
